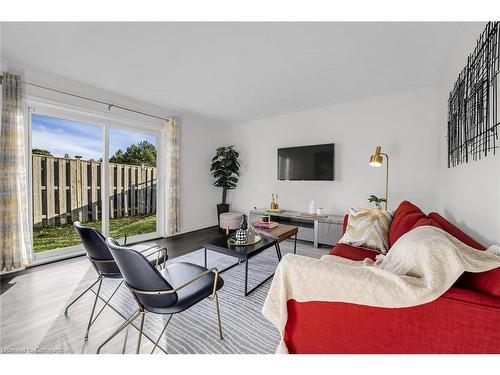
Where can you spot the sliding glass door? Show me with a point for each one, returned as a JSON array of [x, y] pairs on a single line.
[[66, 162], [132, 179], [102, 173]]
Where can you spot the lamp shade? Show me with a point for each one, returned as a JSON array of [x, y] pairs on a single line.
[[376, 158]]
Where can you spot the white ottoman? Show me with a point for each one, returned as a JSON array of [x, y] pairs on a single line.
[[230, 220]]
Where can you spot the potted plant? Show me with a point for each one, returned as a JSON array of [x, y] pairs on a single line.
[[225, 169], [374, 199]]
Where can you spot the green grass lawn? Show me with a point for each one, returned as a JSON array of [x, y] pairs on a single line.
[[54, 237]]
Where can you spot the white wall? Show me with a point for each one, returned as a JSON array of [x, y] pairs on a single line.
[[405, 125], [469, 194], [199, 138]]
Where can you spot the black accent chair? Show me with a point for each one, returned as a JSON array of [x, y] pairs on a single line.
[[105, 266], [169, 291]]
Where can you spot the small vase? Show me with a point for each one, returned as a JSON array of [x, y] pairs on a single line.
[[241, 237], [251, 234], [244, 222], [312, 208]]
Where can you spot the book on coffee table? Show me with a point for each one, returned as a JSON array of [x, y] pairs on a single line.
[[266, 225]]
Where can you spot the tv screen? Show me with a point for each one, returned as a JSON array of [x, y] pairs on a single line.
[[314, 163]]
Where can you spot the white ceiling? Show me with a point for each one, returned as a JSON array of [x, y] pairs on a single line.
[[236, 72]]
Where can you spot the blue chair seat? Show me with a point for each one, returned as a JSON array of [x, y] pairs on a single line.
[[177, 274]]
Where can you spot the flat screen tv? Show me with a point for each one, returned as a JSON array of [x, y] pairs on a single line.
[[307, 163]]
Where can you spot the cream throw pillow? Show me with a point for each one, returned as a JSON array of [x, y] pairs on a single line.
[[368, 227]]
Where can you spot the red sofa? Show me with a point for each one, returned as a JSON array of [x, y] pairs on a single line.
[[463, 320]]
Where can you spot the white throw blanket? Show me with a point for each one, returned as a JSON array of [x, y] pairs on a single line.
[[421, 266]]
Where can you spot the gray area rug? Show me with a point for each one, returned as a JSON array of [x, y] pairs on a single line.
[[195, 330]]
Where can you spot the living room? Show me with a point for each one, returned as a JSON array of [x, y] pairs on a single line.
[[195, 188]]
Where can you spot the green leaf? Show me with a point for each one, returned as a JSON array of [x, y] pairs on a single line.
[[225, 167]]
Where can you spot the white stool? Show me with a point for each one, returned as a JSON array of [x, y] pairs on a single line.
[[230, 220]]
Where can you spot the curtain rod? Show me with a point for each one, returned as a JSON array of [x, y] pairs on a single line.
[[109, 105]]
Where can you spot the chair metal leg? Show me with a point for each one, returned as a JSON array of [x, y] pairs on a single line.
[[93, 309], [119, 329], [125, 341], [80, 296], [107, 302], [141, 327], [161, 333], [218, 315]]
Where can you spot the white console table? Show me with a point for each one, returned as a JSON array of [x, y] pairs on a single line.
[[318, 229]]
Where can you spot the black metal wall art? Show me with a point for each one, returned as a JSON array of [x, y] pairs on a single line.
[[474, 101]]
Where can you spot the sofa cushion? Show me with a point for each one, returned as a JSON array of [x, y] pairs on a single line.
[[368, 227], [485, 282], [426, 221], [353, 252], [405, 217]]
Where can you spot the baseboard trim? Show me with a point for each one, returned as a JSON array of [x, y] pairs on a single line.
[[192, 229]]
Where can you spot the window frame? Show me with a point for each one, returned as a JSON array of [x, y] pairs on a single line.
[[106, 121]]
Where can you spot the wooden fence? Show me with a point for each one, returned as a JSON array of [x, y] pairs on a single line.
[[65, 190]]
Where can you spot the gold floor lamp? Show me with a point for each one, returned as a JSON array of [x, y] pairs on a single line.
[[376, 161]]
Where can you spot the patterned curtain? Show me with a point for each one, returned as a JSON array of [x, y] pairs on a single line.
[[173, 182], [15, 239]]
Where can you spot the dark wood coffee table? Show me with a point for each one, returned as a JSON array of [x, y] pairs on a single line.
[[281, 233], [243, 254]]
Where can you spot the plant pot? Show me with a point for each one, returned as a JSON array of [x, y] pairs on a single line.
[[221, 208]]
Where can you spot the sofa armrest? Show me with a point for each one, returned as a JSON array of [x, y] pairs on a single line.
[[344, 224], [460, 321]]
